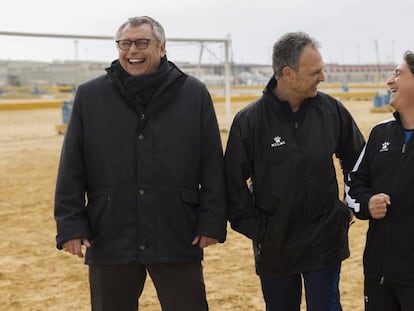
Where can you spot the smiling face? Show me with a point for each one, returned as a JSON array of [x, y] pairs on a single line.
[[139, 62], [401, 85], [304, 81]]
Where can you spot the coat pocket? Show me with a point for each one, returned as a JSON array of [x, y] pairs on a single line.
[[189, 195], [191, 200], [99, 210]]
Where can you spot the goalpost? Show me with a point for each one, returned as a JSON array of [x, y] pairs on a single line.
[[201, 43]]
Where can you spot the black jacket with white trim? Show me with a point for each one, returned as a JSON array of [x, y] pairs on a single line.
[[386, 165]]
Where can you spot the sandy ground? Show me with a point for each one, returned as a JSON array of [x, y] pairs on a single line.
[[35, 276]]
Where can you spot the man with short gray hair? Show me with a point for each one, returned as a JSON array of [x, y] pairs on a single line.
[[140, 181], [281, 179]]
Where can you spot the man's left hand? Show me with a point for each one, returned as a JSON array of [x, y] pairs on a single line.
[[204, 241]]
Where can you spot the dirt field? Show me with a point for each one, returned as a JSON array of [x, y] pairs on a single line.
[[35, 276]]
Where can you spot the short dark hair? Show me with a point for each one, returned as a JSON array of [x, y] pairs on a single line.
[[409, 59], [287, 50]]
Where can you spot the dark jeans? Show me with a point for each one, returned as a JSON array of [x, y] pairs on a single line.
[[179, 286], [387, 296], [321, 291]]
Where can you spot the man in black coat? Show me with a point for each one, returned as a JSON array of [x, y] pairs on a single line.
[[140, 181]]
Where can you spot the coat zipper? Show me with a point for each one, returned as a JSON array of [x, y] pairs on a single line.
[[295, 131], [403, 149]]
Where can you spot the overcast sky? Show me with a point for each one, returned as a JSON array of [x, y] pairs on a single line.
[[350, 31]]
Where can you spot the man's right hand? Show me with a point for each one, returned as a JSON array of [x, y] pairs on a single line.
[[378, 205], [75, 246]]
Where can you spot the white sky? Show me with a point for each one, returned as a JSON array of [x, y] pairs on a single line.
[[348, 30]]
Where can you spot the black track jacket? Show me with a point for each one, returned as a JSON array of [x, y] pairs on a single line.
[[387, 165], [281, 181]]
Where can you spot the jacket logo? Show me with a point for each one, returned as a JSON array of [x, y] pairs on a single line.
[[278, 142], [384, 146]]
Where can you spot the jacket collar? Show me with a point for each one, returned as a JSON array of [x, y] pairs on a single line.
[[173, 73], [282, 105], [397, 117], [174, 77]]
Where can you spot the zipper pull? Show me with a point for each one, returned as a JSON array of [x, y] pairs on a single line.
[[403, 148], [382, 280], [296, 124]]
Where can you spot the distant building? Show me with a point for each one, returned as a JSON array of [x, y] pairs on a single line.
[[75, 72], [41, 73], [368, 73]]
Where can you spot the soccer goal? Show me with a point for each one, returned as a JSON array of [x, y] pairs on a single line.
[[207, 59]]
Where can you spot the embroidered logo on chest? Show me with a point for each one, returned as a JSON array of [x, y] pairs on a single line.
[[384, 146], [277, 142]]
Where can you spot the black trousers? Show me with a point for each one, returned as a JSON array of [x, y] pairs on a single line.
[[179, 286], [321, 290], [387, 296]]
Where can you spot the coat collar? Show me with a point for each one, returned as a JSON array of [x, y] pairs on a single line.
[[174, 77], [284, 106]]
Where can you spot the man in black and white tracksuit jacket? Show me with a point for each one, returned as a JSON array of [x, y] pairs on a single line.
[[382, 191]]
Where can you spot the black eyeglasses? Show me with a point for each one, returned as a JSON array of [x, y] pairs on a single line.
[[141, 44]]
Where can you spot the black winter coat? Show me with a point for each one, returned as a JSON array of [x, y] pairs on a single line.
[[141, 183], [386, 165], [281, 181]]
